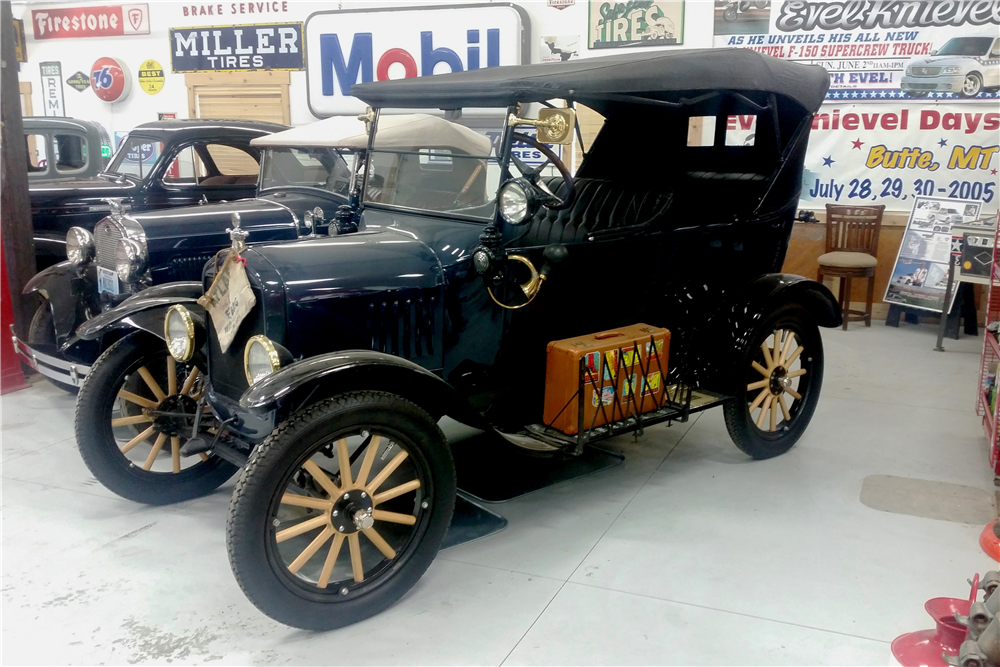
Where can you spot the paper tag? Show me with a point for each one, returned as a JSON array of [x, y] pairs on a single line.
[[228, 300]]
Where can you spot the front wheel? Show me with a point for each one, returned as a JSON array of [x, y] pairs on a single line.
[[367, 468], [779, 383], [135, 411], [972, 86]]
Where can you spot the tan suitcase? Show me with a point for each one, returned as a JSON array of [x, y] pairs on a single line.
[[617, 382]]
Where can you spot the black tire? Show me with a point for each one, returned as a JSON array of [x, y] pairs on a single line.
[[42, 332], [262, 569], [729, 13], [972, 86], [95, 436], [916, 93], [763, 443]]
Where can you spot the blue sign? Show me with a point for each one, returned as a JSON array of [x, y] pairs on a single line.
[[237, 48]]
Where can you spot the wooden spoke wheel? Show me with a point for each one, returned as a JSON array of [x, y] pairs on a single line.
[[352, 496], [784, 370], [135, 412]]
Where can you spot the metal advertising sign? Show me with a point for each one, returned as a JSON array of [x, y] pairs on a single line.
[[876, 49], [110, 79], [52, 89], [151, 77], [237, 48], [101, 21], [353, 46], [79, 81], [615, 24]]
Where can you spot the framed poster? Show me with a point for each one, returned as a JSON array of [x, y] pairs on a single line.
[[920, 275], [615, 25]]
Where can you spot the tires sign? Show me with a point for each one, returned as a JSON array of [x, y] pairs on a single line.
[[110, 79]]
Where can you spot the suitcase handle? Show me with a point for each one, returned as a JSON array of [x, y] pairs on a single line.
[[605, 336]]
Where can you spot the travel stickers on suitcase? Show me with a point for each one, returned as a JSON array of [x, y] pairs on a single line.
[[623, 373]]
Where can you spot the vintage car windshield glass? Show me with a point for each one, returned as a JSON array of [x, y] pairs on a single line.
[[323, 168], [966, 46], [136, 157], [449, 166]]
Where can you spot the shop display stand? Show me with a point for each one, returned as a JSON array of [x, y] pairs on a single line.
[[987, 396]]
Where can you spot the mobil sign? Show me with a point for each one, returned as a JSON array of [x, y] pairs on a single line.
[[355, 46]]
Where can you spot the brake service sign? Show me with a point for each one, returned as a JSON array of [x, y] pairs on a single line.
[[356, 46]]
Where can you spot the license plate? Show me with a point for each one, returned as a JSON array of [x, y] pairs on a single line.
[[107, 280]]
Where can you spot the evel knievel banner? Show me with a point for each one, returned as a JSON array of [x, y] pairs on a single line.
[[893, 153], [868, 45]]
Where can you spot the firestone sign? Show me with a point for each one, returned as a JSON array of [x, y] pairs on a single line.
[[100, 21], [356, 46]]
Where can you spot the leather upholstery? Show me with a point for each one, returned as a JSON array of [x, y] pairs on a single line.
[[599, 205]]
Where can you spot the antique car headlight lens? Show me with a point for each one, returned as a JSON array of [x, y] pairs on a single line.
[[130, 260], [952, 70], [516, 199], [178, 330], [79, 246], [260, 358]]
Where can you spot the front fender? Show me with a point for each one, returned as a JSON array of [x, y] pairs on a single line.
[[138, 312], [328, 374], [64, 287]]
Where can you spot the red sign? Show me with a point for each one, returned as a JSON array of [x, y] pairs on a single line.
[[109, 77], [102, 21]]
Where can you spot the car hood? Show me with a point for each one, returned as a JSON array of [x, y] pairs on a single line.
[[82, 191], [941, 61], [200, 227]]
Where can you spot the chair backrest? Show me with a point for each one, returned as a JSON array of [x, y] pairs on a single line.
[[853, 228]]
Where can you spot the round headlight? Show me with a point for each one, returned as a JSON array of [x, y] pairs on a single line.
[[513, 202], [79, 246], [130, 260], [260, 359], [178, 330]]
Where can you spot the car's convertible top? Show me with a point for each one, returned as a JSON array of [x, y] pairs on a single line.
[[656, 76]]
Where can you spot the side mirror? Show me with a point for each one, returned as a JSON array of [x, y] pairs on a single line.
[[934, 52], [555, 126]]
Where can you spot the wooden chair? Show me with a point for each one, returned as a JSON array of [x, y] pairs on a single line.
[[851, 249]]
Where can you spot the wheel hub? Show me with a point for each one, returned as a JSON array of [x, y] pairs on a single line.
[[779, 381], [352, 512], [174, 414]]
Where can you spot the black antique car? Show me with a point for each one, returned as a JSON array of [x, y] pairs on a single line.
[[323, 365], [64, 149], [306, 172], [163, 164]]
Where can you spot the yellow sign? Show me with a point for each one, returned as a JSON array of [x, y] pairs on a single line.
[[151, 77]]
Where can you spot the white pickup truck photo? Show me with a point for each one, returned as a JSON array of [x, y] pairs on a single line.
[[965, 66]]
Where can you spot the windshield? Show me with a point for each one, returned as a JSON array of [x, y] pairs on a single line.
[[425, 162], [137, 155], [966, 46], [322, 168]]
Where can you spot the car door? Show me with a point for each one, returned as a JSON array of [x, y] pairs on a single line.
[[204, 171]]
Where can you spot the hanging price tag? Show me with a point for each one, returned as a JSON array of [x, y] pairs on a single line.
[[229, 300]]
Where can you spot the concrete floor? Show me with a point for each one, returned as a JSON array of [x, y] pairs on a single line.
[[688, 553]]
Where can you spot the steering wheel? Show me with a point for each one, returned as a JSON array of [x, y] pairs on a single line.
[[553, 202]]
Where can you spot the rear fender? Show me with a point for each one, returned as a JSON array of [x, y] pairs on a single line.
[[734, 325], [146, 311], [315, 378]]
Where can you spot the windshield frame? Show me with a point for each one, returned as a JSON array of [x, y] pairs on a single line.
[[970, 39], [121, 151], [290, 187], [502, 159]]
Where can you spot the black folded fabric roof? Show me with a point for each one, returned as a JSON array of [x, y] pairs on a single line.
[[654, 75]]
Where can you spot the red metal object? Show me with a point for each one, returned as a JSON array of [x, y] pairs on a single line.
[[926, 648], [11, 376], [990, 543]]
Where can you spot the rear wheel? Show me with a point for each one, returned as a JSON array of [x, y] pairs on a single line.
[[341, 510], [972, 86], [135, 411], [779, 384], [42, 334]]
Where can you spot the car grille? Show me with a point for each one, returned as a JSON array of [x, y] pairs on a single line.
[[926, 71], [106, 237]]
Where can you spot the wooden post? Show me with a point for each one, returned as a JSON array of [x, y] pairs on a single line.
[[15, 208]]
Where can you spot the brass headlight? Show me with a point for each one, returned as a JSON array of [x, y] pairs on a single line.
[[178, 330], [260, 359]]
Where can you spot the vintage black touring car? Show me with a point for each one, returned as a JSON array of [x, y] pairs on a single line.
[[305, 174], [323, 365]]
